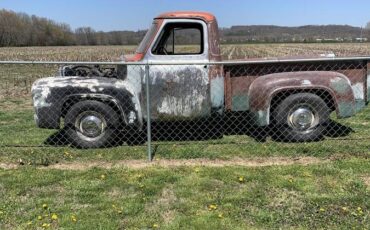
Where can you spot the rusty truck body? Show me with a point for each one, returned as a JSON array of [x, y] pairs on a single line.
[[298, 95]]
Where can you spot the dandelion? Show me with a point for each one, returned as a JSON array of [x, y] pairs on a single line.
[[155, 225], [322, 209], [73, 218], [241, 179], [220, 216], [102, 177], [54, 216], [45, 225], [212, 207], [44, 206], [39, 217]]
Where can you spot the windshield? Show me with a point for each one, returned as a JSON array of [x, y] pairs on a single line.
[[148, 36]]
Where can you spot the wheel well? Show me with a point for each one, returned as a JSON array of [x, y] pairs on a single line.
[[323, 94], [73, 100]]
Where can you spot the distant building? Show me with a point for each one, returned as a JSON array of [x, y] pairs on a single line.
[[361, 39]]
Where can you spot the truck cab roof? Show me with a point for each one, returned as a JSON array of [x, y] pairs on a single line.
[[207, 17]]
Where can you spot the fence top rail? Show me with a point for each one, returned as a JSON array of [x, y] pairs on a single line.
[[229, 62]]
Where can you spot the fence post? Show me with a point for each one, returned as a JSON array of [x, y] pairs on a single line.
[[148, 119]]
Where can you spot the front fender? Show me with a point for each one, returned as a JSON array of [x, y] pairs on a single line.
[[55, 91], [264, 88]]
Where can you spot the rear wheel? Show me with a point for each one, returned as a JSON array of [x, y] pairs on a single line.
[[91, 124], [301, 117]]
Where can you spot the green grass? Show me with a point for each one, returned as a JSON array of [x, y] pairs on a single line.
[[333, 195]]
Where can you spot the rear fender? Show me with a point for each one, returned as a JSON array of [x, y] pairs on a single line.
[[264, 88]]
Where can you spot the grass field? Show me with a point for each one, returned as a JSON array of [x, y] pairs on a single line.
[[313, 185]]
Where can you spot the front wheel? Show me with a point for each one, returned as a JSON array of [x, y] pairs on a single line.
[[91, 124], [301, 117]]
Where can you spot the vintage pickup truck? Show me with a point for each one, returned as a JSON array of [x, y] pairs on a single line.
[[295, 95]]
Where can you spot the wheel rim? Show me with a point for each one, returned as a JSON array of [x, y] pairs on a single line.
[[90, 125], [303, 118]]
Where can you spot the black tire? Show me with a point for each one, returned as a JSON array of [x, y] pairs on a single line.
[[83, 110], [301, 118]]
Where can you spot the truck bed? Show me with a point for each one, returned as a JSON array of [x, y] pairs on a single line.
[[239, 77]]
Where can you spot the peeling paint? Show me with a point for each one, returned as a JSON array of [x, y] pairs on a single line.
[[346, 109], [240, 103], [217, 92], [306, 82], [132, 117], [179, 91], [358, 91], [262, 118], [340, 85]]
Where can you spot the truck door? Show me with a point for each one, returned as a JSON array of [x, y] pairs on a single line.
[[179, 91]]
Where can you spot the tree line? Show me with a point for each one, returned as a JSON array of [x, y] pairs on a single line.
[[20, 29]]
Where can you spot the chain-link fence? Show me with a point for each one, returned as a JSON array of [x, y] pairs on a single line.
[[265, 107]]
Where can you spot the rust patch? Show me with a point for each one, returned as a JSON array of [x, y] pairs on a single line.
[[228, 96]]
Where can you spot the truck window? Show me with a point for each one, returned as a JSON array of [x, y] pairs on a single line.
[[180, 39]]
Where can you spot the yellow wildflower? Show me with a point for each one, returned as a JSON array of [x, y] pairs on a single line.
[[102, 177], [45, 225], [212, 207], [44, 206], [54, 216], [220, 216], [241, 179], [322, 209], [39, 217], [73, 218], [155, 225]]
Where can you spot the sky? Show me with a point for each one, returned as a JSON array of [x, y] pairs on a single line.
[[108, 15]]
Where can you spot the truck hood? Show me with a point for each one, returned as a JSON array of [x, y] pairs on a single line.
[[42, 88]]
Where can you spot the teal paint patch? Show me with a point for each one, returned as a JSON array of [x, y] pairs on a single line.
[[346, 109], [340, 86], [360, 104], [263, 118], [240, 103]]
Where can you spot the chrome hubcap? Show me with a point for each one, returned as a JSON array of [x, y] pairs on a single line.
[[302, 119], [91, 125]]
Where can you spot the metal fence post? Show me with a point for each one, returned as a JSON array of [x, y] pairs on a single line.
[[149, 130]]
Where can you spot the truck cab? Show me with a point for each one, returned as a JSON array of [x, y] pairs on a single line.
[[182, 91]]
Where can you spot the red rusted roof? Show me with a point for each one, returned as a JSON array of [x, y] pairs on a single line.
[[188, 14]]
